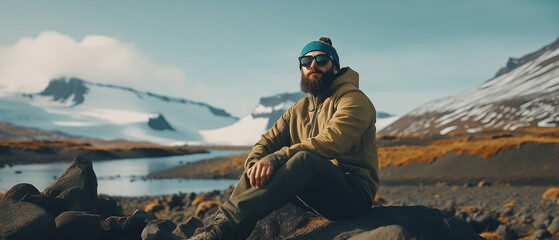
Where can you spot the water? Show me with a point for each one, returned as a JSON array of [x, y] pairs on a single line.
[[123, 177]]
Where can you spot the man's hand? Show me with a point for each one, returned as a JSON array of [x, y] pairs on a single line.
[[260, 173]]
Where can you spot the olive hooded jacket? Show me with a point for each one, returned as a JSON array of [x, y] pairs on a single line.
[[339, 125]]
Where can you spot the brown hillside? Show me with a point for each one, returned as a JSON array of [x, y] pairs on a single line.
[[485, 146], [42, 151]]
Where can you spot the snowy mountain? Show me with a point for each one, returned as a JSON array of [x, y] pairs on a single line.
[[247, 131], [88, 109], [525, 93]]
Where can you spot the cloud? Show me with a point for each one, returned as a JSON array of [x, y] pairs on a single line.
[[29, 64]]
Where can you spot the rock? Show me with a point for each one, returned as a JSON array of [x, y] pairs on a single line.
[[540, 234], [420, 222], [391, 232], [187, 229], [283, 222], [129, 227], [542, 218], [159, 230], [23, 220], [79, 174], [54, 206], [107, 206], [77, 225], [449, 206], [175, 201], [554, 226], [505, 232], [141, 213], [113, 224], [19, 191], [79, 199], [485, 222]]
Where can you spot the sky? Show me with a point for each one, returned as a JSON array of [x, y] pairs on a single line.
[[230, 53]]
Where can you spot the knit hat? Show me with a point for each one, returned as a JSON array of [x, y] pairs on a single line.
[[321, 46]]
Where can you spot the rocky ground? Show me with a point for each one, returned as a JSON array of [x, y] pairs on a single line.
[[511, 212]]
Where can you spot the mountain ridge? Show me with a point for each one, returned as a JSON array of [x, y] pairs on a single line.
[[526, 96]]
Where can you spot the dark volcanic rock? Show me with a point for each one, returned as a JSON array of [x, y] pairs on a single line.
[[420, 222], [554, 226], [282, 223], [159, 230], [77, 225], [19, 191], [79, 174], [54, 206], [187, 229], [540, 234], [23, 220], [392, 232], [127, 227], [78, 199]]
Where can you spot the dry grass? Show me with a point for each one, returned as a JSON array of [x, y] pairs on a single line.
[[551, 194], [313, 224], [199, 199], [491, 236], [203, 207], [379, 199], [486, 147], [503, 218], [510, 204], [1, 195], [471, 209], [154, 206], [236, 162], [67, 145]]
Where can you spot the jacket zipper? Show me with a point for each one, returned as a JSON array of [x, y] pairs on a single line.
[[313, 122]]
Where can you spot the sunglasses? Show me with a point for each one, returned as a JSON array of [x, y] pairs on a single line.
[[321, 60]]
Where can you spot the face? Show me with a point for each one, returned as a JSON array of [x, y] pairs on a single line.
[[316, 79]]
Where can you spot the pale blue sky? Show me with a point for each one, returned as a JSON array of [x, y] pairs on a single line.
[[229, 54]]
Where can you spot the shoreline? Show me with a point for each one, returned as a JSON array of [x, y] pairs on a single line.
[[21, 152]]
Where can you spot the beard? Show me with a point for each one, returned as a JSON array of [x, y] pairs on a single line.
[[316, 86]]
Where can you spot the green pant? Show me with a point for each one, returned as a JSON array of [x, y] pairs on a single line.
[[308, 177]]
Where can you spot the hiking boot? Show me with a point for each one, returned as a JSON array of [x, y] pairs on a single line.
[[215, 231]]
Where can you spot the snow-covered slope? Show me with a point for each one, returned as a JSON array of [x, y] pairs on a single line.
[[104, 111], [248, 130], [524, 94]]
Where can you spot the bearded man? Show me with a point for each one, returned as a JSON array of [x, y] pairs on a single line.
[[322, 152]]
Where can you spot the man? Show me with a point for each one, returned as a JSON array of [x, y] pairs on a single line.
[[322, 152]]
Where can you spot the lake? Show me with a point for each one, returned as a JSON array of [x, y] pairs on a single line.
[[123, 177]]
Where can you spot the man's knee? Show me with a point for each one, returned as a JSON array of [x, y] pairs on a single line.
[[304, 159]]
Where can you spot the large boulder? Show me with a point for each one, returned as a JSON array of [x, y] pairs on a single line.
[[77, 225], [282, 223], [24, 221], [405, 221], [79, 175], [126, 227], [19, 191]]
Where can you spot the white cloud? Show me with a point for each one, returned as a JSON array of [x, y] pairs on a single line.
[[29, 64]]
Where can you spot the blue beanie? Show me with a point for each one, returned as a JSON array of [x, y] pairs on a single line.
[[320, 46]]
